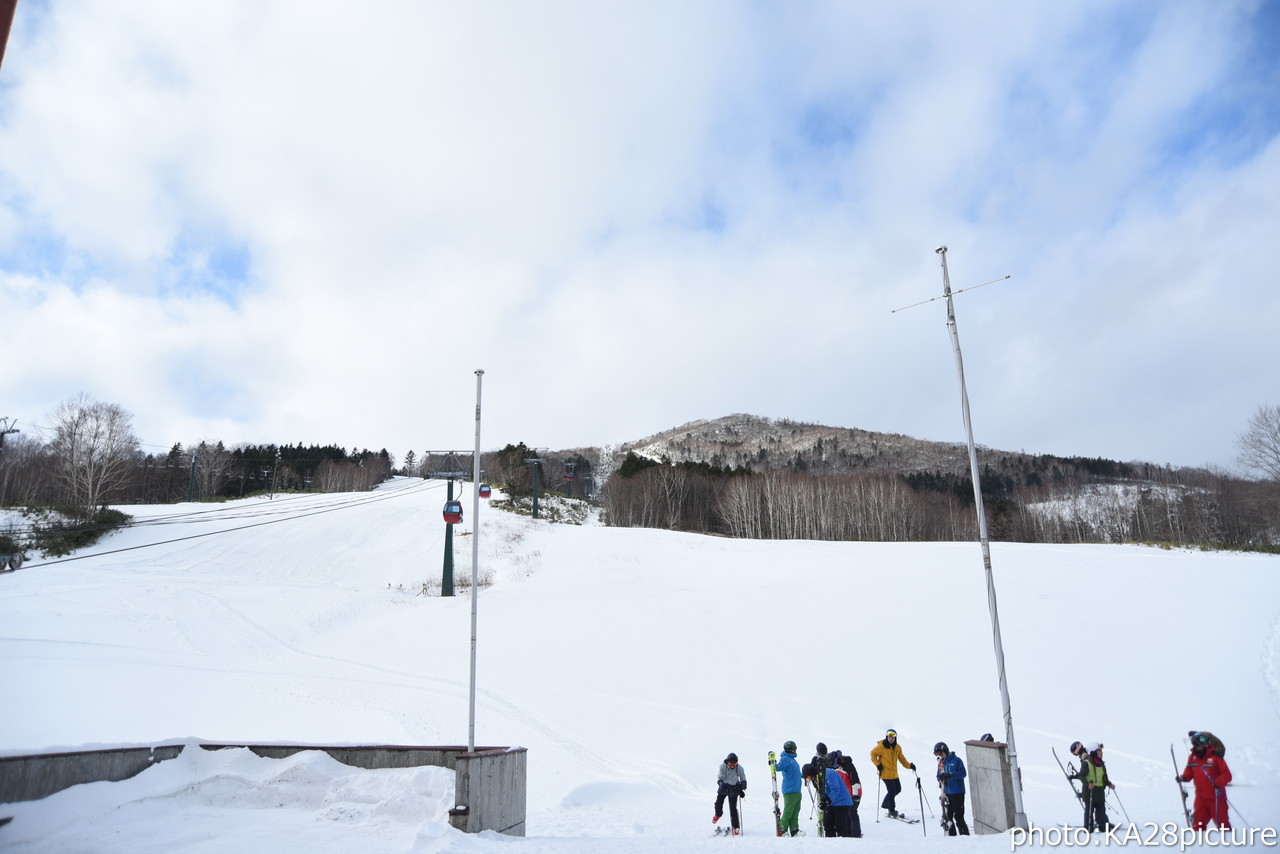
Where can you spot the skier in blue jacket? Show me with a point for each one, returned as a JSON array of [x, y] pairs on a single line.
[[790, 770], [951, 776]]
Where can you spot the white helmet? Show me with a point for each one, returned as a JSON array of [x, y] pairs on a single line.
[[1092, 746]]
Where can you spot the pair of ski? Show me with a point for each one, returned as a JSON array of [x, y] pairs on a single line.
[[773, 775], [948, 823]]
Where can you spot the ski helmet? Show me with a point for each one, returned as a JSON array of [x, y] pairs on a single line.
[[892, 733], [789, 746], [941, 748], [732, 759], [1093, 746], [1075, 748], [1200, 742], [822, 749]]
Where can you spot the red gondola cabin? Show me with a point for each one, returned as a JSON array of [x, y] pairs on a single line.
[[453, 512]]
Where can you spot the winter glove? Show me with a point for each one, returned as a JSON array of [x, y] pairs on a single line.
[[880, 769], [913, 766]]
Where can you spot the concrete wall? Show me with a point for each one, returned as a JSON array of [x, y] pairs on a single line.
[[29, 778], [990, 786], [490, 784]]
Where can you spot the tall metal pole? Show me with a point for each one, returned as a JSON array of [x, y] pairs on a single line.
[[475, 565], [1020, 816]]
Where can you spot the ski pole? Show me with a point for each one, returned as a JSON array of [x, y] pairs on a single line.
[[922, 797], [920, 791], [1116, 794], [878, 797], [1231, 806]]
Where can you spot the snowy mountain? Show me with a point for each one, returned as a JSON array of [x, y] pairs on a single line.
[[628, 662]]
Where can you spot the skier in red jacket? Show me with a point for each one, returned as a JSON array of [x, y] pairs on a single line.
[[1210, 774]]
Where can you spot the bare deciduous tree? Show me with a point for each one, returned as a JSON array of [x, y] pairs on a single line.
[[212, 468], [92, 449], [1259, 445]]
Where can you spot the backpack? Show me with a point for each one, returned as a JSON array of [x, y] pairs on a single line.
[[1218, 746]]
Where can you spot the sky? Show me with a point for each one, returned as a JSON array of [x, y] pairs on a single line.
[[298, 222], [628, 662]]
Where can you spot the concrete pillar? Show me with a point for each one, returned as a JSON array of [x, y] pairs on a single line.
[[990, 786], [490, 791]]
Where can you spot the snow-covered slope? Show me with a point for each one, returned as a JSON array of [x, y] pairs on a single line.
[[628, 661]]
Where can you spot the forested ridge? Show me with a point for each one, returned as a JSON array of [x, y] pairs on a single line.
[[739, 476]]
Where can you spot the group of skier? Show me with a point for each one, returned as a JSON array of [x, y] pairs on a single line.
[[1205, 768], [836, 788]]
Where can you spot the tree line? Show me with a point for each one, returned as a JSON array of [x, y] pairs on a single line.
[[93, 458], [1132, 504]]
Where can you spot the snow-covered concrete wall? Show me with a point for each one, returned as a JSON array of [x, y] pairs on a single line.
[[29, 778], [490, 784]]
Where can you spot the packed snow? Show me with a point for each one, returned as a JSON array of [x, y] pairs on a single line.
[[629, 662]]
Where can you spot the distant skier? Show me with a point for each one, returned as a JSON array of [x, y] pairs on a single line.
[[789, 768], [951, 776], [1209, 772], [855, 791], [886, 756], [731, 782], [1093, 775]]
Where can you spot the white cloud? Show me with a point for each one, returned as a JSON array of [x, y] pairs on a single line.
[[633, 215]]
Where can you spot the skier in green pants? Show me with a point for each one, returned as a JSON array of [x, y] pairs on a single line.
[[790, 770]]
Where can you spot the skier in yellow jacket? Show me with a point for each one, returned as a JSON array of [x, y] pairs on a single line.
[[885, 756]]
